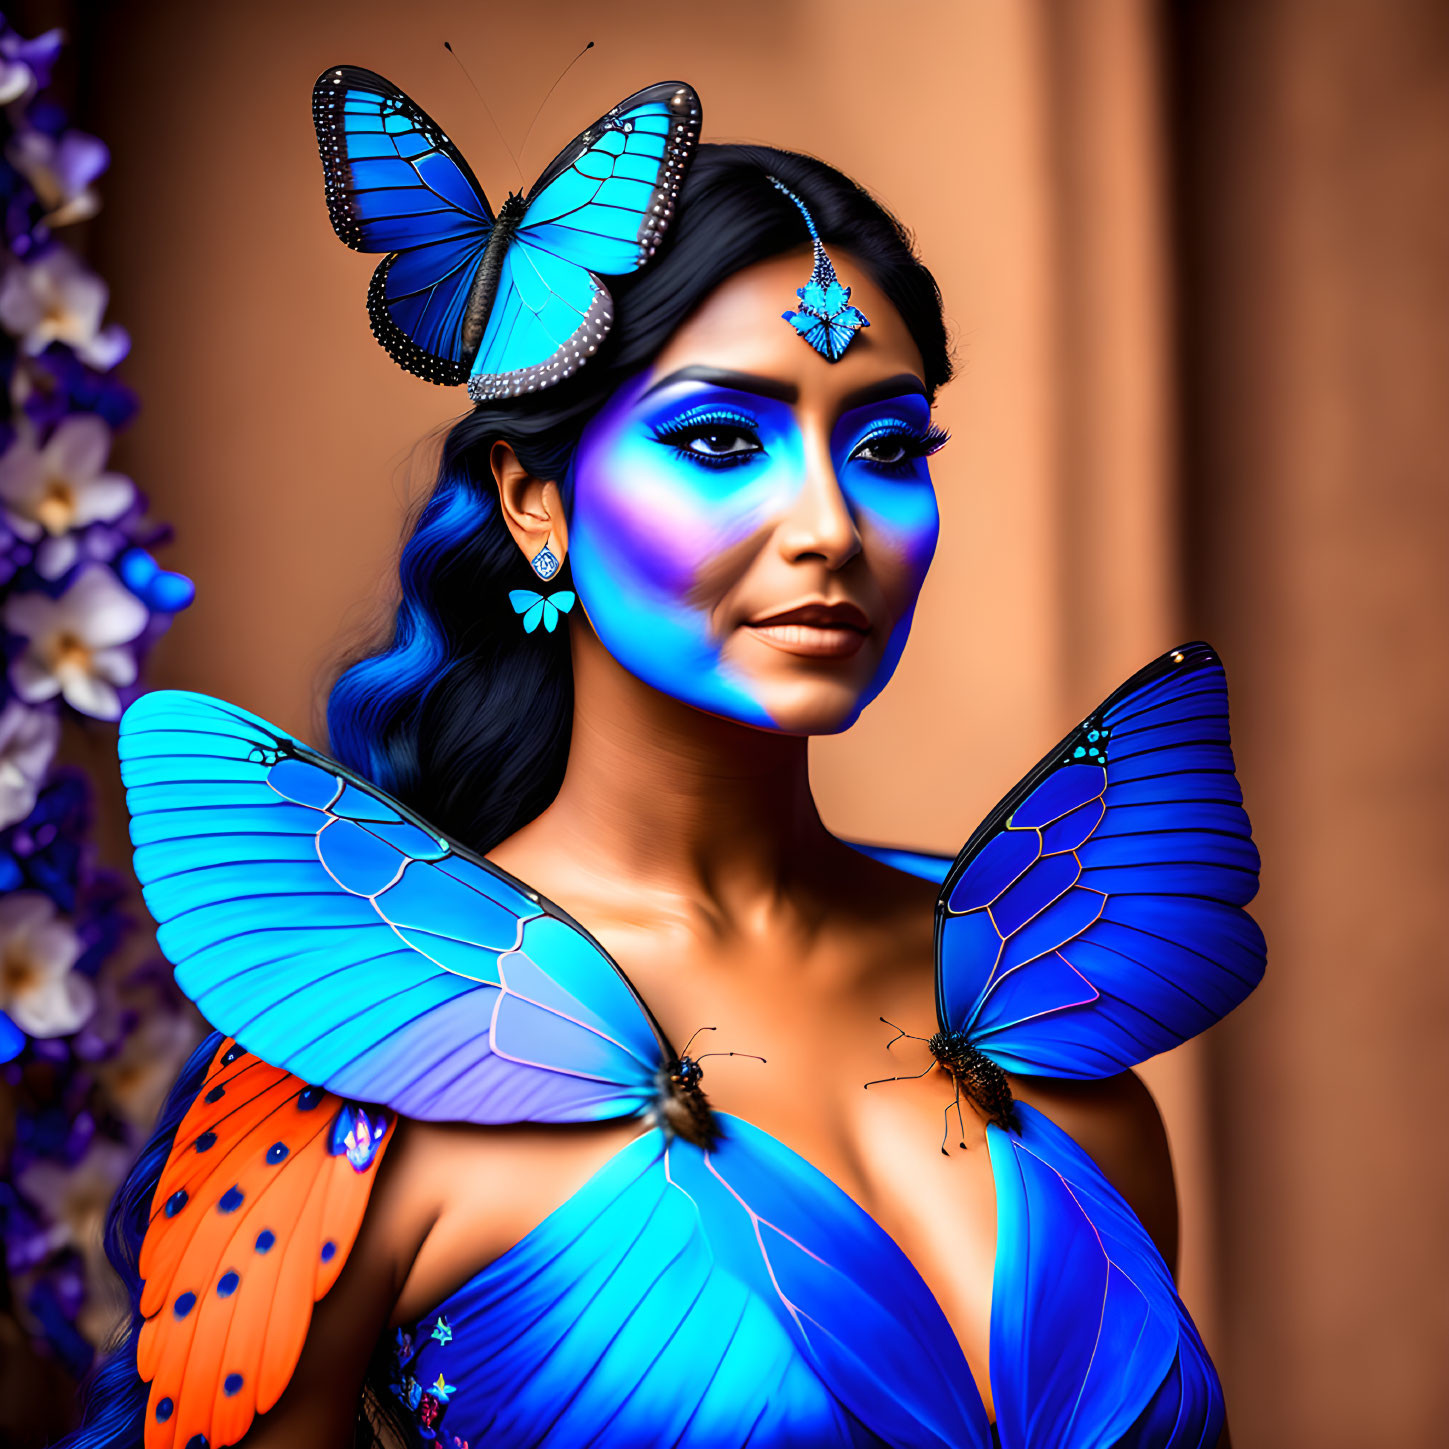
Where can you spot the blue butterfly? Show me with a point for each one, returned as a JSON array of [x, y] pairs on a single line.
[[510, 303], [826, 320], [537, 609]]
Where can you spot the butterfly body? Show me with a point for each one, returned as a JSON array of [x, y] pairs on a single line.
[[490, 270], [683, 1109], [975, 1075]]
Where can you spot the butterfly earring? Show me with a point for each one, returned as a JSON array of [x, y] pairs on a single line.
[[539, 609]]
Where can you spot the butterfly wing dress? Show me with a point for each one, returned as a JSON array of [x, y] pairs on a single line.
[[708, 1286]]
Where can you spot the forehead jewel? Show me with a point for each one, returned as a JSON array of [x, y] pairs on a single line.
[[826, 320]]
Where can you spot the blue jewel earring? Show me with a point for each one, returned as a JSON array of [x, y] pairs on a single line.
[[545, 609], [826, 320]]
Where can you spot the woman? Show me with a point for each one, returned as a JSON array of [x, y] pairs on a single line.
[[520, 1216]]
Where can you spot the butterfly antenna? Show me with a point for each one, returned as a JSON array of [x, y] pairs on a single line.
[[900, 1032], [697, 1031], [751, 1056], [880, 1081], [549, 92], [488, 110]]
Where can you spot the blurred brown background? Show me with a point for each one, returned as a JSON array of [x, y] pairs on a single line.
[[1196, 261]]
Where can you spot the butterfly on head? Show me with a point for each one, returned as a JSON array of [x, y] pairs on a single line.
[[510, 303]]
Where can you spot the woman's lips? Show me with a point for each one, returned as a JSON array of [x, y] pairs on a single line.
[[814, 630]]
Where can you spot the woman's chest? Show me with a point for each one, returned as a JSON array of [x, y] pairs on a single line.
[[736, 1295], [825, 1274], [879, 1148]]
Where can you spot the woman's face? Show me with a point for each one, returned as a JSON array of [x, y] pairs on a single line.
[[751, 524]]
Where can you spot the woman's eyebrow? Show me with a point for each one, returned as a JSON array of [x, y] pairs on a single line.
[[903, 384], [723, 377]]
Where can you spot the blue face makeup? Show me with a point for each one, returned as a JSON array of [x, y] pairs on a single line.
[[680, 492]]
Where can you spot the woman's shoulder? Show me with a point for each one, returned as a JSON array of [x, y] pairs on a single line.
[[459, 1195]]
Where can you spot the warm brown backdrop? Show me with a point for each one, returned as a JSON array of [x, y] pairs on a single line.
[[1196, 259]]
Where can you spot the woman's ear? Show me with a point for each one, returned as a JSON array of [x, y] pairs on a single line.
[[532, 507]]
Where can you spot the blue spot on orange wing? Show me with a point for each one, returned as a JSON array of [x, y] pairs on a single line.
[[231, 1385], [184, 1304], [265, 1239], [227, 1284], [231, 1199], [163, 1410]]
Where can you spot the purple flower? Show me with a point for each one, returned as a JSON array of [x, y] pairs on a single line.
[[46, 847], [55, 384], [25, 65], [61, 171]]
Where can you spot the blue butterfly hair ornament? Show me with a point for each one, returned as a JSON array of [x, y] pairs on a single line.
[[511, 303], [826, 320]]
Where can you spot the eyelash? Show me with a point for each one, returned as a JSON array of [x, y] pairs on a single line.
[[680, 434], [916, 445]]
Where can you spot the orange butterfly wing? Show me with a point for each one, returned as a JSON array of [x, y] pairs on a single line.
[[255, 1213]]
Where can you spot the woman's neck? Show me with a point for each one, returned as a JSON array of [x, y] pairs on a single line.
[[667, 799]]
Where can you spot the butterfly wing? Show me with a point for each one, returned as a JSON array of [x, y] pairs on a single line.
[[1090, 1343], [337, 936], [691, 1298], [396, 184], [1096, 917], [253, 1217], [601, 207]]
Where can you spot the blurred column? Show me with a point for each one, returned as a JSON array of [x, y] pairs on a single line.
[[1314, 189]]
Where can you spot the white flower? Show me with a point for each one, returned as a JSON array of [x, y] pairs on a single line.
[[61, 486], [75, 1201], [15, 80], [57, 300], [38, 989], [73, 642], [27, 742], [61, 172], [139, 1076]]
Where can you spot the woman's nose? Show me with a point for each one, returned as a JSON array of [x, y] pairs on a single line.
[[819, 523]]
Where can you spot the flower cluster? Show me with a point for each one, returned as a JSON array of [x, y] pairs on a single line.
[[88, 1050]]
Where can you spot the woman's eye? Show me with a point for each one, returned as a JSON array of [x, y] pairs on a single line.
[[713, 442], [721, 442], [889, 448], [898, 450]]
